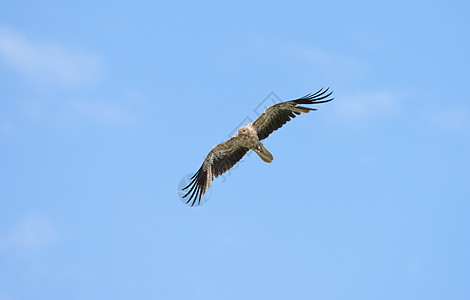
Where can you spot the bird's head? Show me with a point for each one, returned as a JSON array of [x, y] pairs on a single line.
[[242, 130]]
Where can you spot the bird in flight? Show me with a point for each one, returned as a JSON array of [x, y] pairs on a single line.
[[225, 155]]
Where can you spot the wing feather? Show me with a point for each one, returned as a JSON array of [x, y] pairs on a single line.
[[275, 116], [220, 159]]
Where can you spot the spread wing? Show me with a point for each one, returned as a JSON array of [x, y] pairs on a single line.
[[221, 158], [277, 115]]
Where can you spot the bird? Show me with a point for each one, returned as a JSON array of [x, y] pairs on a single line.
[[225, 155]]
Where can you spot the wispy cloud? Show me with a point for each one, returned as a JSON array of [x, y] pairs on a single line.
[[80, 111], [358, 109], [31, 233], [326, 59], [454, 119], [415, 269], [367, 105], [51, 64], [47, 62], [97, 111], [331, 63], [6, 128], [4, 296]]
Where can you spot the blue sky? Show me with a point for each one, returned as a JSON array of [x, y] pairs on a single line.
[[105, 107]]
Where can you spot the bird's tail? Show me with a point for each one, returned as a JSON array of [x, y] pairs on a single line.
[[264, 154]]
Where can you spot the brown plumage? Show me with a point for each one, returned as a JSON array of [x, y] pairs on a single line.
[[225, 155]]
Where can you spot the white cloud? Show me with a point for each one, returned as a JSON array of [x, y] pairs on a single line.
[[357, 109], [4, 297], [6, 128], [335, 64], [79, 111], [455, 119], [32, 233], [49, 64], [414, 269], [325, 59], [367, 105], [97, 111], [46, 62]]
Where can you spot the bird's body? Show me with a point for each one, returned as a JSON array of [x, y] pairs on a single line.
[[248, 138], [225, 155]]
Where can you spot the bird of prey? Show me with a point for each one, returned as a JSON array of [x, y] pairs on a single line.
[[225, 155]]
